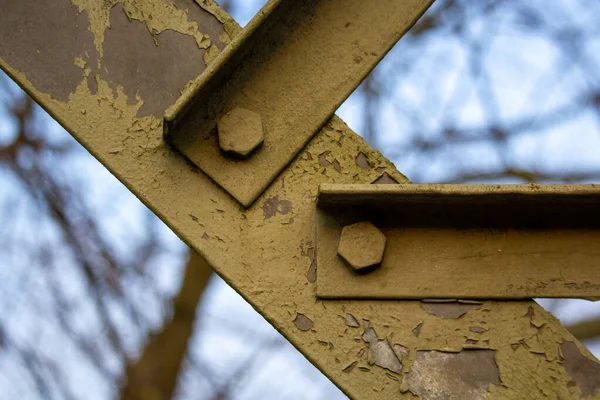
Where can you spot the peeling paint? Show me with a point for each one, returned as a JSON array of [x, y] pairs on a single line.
[[417, 329], [382, 355], [351, 321], [303, 322], [274, 206], [449, 310], [350, 367], [362, 161], [468, 374], [584, 372], [385, 179], [477, 329]]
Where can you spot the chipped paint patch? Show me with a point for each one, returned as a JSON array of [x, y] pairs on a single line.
[[584, 372], [385, 179], [437, 375], [303, 322], [382, 355], [351, 321], [362, 161], [449, 310], [274, 206]]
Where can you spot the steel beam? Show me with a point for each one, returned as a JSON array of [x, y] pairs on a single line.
[[464, 241], [293, 65], [110, 88]]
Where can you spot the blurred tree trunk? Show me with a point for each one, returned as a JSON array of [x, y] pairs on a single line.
[[154, 375]]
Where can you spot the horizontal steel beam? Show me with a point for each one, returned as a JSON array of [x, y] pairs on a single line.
[[463, 241]]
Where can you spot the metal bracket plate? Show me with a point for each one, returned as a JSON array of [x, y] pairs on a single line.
[[464, 241], [293, 65]]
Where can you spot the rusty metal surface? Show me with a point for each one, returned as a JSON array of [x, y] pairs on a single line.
[[294, 64], [267, 251], [464, 241]]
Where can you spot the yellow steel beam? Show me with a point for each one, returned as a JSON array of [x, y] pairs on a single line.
[[110, 87], [464, 241], [292, 66]]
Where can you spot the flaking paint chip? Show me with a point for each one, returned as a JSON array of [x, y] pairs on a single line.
[[351, 321], [382, 355], [303, 322]]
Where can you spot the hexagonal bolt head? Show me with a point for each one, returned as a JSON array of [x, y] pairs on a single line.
[[240, 132], [362, 245]]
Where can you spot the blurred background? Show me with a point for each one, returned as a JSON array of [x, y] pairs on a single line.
[[94, 288]]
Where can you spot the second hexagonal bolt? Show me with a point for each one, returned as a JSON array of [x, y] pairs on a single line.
[[362, 245], [240, 132]]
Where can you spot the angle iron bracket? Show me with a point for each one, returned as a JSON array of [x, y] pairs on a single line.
[[458, 241], [277, 83]]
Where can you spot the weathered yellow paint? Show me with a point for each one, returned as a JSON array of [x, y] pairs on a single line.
[[158, 15], [266, 252]]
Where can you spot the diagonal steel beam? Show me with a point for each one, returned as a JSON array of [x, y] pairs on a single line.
[[110, 88], [293, 65]]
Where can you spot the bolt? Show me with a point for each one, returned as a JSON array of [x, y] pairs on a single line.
[[362, 246], [240, 132]]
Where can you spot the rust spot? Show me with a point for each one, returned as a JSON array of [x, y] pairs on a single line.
[[584, 372], [311, 275], [274, 206], [351, 321], [42, 38], [155, 66], [362, 161], [303, 322], [438, 375], [449, 310], [350, 367], [417, 329], [386, 179]]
